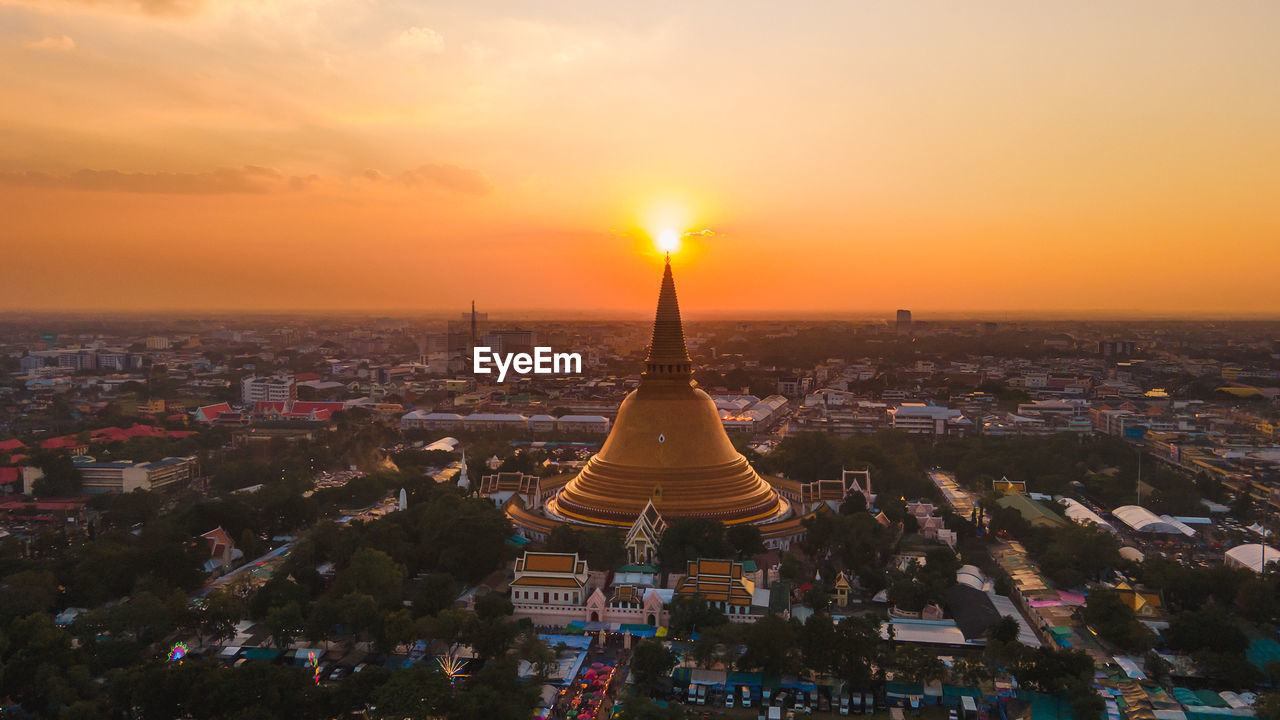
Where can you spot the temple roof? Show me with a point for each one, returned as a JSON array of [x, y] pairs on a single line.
[[668, 356]]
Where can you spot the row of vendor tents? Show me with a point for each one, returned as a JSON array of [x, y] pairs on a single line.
[[297, 657], [895, 693]]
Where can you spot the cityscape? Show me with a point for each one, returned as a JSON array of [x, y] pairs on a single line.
[[387, 359]]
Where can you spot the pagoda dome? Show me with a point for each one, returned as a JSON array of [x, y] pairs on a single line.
[[668, 444]]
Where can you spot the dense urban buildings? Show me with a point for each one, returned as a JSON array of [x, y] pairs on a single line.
[[918, 483], [329, 386]]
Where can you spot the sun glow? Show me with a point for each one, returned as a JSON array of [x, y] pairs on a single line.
[[669, 241]]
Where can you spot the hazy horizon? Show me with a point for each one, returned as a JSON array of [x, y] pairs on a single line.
[[1052, 157], [569, 315]]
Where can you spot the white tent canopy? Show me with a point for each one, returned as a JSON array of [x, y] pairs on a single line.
[[1143, 520], [1251, 556]]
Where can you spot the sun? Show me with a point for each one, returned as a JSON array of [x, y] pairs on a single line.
[[668, 241]]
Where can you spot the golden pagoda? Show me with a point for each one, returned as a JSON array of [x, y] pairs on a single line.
[[667, 446]]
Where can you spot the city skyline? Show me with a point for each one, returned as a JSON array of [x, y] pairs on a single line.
[[992, 160]]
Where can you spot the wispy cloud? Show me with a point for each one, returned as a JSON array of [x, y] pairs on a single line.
[[452, 178], [147, 7], [422, 40], [247, 179], [52, 43]]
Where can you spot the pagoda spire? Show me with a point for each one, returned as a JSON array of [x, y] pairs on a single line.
[[668, 356]]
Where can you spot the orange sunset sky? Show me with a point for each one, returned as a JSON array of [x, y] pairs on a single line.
[[399, 155]]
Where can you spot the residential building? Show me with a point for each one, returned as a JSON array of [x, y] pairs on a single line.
[[276, 388]]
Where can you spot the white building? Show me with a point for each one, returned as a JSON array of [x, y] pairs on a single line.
[[277, 388], [495, 421], [124, 476], [597, 424], [79, 359], [921, 419], [542, 423]]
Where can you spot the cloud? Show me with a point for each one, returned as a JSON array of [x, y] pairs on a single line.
[[160, 8], [448, 177], [248, 179], [52, 43], [421, 40], [704, 233]]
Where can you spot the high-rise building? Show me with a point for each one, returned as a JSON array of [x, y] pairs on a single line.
[[82, 359], [903, 326], [508, 341]]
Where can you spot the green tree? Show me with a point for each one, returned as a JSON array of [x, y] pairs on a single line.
[[373, 573], [284, 624], [820, 644], [771, 646], [1209, 629], [1116, 622], [1053, 671], [689, 539], [918, 664], [217, 615], [862, 649], [61, 476], [651, 662], [434, 593], [745, 540], [1004, 630], [495, 692], [395, 628], [693, 614], [414, 692]]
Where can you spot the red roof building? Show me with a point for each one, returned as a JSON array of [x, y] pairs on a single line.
[[65, 442], [115, 434], [223, 553], [209, 413]]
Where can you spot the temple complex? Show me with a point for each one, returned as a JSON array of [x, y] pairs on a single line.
[[667, 457]]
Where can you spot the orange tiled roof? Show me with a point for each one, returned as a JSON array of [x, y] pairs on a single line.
[[549, 562], [542, 581]]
